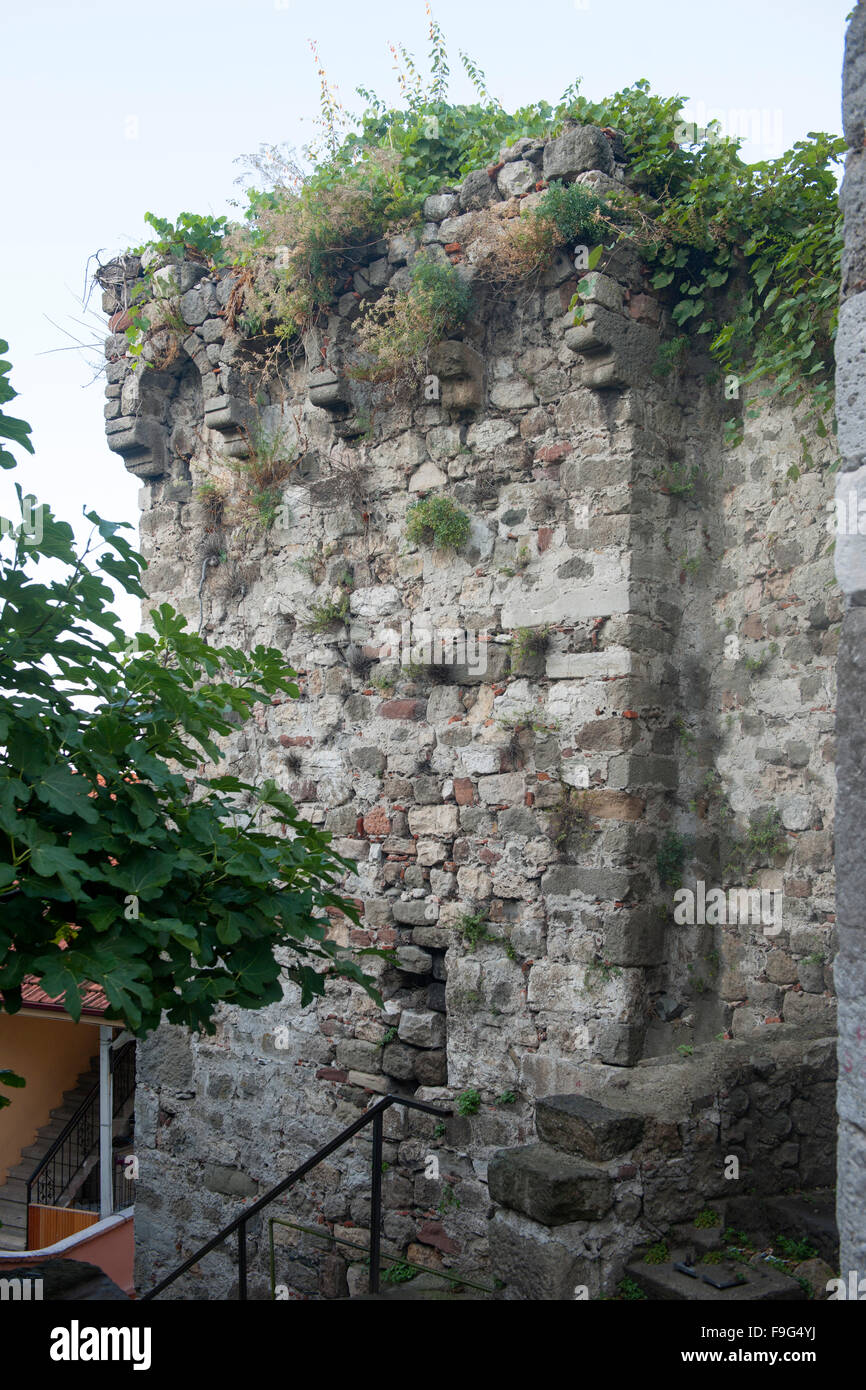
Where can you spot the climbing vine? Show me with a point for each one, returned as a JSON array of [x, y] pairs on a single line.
[[746, 255]]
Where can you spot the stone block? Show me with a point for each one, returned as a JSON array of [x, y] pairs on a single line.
[[518, 176], [634, 938], [564, 880], [413, 960], [228, 1181], [417, 912], [399, 1060], [548, 1186], [620, 1044], [431, 1068], [537, 1262], [582, 1126], [353, 1054], [477, 191], [434, 821], [422, 1028], [575, 152]]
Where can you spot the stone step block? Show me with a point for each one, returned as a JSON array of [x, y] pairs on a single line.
[[666, 1284], [577, 1125], [548, 1186]]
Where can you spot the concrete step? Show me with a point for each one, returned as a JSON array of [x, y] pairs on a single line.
[[13, 1215], [12, 1240]]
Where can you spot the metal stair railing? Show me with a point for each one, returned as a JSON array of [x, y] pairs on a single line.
[[372, 1116], [80, 1135]]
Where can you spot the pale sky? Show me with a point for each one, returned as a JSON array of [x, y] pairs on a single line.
[[112, 110]]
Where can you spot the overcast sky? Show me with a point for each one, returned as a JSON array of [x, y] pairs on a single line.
[[112, 110]]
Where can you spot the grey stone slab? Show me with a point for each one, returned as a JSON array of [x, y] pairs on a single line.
[[548, 1186], [582, 1126]]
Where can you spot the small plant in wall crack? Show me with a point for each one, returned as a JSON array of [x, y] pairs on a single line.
[[449, 1201], [469, 1102], [600, 971], [334, 609], [439, 522], [473, 927], [671, 858], [764, 840], [528, 645], [569, 820]]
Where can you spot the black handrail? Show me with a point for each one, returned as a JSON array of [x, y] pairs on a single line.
[[374, 1116], [84, 1126]]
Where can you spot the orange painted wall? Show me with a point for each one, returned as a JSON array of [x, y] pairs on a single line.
[[50, 1054], [109, 1244]]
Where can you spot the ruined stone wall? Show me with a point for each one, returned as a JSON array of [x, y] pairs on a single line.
[[688, 668]]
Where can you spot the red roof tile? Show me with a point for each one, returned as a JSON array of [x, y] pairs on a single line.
[[93, 1001]]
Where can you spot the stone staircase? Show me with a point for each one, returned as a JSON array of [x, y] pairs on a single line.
[[13, 1194], [573, 1201]]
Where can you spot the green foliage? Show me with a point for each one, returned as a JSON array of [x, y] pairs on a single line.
[[449, 1200], [755, 664], [795, 1249], [192, 237], [678, 478], [262, 476], [602, 970], [671, 857], [438, 1129], [657, 1254], [629, 1291], [18, 431], [685, 1050], [439, 522], [738, 1238], [707, 1218], [529, 644], [474, 930], [671, 355], [748, 255], [764, 839], [473, 927], [469, 1102], [398, 331], [399, 1273], [507, 1098], [573, 211], [120, 863], [11, 1079]]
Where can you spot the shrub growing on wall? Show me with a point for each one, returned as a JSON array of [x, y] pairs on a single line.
[[437, 521]]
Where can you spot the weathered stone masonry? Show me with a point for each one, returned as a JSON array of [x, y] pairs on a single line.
[[560, 441]]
